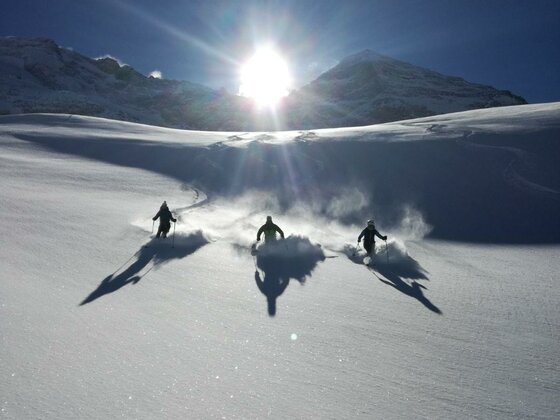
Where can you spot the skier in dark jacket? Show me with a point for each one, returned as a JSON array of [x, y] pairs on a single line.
[[369, 234], [269, 229], [165, 219]]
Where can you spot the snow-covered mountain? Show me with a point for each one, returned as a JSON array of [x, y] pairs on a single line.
[[459, 319], [39, 76], [368, 88]]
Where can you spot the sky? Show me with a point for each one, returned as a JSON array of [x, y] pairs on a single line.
[[509, 44]]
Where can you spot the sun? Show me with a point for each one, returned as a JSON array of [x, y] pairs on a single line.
[[265, 77]]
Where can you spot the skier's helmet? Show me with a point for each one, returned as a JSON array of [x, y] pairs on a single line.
[[370, 222], [269, 219], [164, 205]]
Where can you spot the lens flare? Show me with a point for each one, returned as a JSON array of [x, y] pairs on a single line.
[[265, 77]]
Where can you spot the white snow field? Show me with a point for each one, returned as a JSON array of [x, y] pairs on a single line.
[[459, 321]]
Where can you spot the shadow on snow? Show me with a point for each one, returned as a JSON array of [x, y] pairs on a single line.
[[392, 271], [157, 252], [292, 258], [491, 189]]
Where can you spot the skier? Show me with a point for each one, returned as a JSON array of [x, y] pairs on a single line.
[[269, 229], [369, 234], [165, 218]]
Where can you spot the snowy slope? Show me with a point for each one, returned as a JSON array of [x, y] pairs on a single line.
[[461, 323]]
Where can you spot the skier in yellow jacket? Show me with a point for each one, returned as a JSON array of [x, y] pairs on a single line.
[[269, 229]]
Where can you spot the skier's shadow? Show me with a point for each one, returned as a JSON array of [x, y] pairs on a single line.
[[158, 252], [414, 289], [401, 266], [292, 258]]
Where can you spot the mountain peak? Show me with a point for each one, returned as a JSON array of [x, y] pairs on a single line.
[[34, 42], [364, 88], [362, 56]]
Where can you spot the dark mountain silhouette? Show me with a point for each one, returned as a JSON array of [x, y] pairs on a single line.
[[38, 76], [368, 88]]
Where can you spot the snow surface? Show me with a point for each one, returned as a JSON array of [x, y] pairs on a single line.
[[451, 324]]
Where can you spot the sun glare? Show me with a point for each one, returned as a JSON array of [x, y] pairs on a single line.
[[265, 77]]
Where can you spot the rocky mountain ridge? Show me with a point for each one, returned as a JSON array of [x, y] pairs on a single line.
[[38, 76]]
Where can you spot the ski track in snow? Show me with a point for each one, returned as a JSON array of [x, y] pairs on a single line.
[[511, 176]]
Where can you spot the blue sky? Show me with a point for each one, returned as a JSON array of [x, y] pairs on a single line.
[[509, 44]]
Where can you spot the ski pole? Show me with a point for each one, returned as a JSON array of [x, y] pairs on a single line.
[[387, 251], [356, 250], [173, 244], [153, 222]]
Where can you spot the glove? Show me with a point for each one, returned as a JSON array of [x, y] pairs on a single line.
[[174, 220], [359, 240], [258, 240], [385, 238], [154, 219]]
